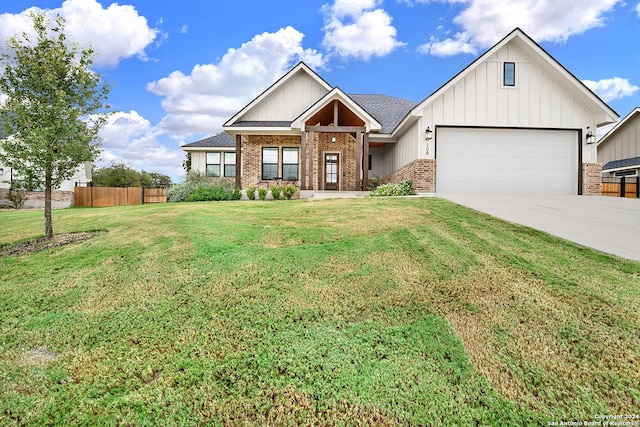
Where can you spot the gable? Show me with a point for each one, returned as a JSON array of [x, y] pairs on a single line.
[[352, 113], [545, 94], [286, 99], [623, 141]]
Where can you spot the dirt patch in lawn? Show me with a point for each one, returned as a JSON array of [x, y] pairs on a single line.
[[42, 243]]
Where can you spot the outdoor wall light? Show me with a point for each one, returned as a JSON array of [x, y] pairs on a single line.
[[1, 171], [591, 138], [428, 134], [333, 139]]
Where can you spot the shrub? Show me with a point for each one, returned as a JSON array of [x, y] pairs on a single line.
[[210, 192], [251, 193], [289, 191], [198, 187], [262, 193], [275, 192], [237, 194], [404, 188], [17, 198], [373, 183]]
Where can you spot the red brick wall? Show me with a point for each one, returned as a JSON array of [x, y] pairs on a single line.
[[421, 172]]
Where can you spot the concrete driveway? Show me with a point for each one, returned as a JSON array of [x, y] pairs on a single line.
[[608, 224]]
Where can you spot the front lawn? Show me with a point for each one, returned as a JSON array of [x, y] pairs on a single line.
[[339, 312]]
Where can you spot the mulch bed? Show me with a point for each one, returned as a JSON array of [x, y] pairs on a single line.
[[42, 243]]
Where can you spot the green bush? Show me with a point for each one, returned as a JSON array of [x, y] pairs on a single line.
[[289, 191], [404, 188], [251, 193], [262, 193], [17, 198], [210, 192], [237, 194], [275, 192], [198, 187]]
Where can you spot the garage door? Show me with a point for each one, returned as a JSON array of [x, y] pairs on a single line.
[[506, 161]]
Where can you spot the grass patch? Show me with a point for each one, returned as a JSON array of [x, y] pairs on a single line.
[[338, 312]]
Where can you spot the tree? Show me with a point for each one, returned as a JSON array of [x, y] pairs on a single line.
[[54, 107], [158, 180], [116, 175], [186, 163], [121, 175]]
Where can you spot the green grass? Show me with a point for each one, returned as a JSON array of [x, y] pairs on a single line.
[[343, 312]]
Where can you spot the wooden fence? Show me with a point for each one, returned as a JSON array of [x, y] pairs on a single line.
[[100, 197], [621, 187]]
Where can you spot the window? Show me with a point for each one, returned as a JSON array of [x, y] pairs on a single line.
[[269, 162], [213, 164], [509, 74], [290, 164], [370, 161], [229, 165]]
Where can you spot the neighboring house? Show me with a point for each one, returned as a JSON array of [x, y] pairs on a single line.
[[619, 149], [62, 197], [513, 121]]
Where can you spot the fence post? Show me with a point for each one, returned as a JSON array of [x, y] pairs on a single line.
[[142, 185], [91, 192], [638, 187], [623, 187]]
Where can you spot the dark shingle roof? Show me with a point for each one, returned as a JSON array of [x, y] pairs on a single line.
[[387, 110], [261, 123], [220, 140], [616, 164]]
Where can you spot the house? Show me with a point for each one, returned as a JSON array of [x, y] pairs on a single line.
[[513, 121], [61, 197], [619, 149]]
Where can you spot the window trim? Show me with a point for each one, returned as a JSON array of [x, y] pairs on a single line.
[[297, 163], [504, 74], [263, 164], [225, 164], [207, 164]]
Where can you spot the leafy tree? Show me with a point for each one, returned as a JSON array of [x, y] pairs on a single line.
[[116, 175], [186, 163], [158, 180], [121, 175], [52, 111]]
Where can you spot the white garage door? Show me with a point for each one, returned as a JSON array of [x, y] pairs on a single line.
[[506, 161]]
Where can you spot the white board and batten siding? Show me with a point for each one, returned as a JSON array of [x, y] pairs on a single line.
[[541, 99], [290, 100]]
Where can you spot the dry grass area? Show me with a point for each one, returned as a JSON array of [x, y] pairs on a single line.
[[340, 312]]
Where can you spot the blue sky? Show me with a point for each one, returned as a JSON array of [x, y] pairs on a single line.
[[178, 70]]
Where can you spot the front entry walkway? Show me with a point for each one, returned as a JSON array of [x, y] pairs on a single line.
[[608, 224]]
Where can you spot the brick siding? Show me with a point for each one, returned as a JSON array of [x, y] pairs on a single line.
[[591, 178], [252, 158], [35, 199], [344, 146], [421, 172]]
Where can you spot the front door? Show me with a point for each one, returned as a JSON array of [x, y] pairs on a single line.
[[331, 171]]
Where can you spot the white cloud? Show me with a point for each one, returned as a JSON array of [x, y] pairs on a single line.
[[638, 10], [203, 100], [184, 29], [130, 138], [355, 28], [484, 22], [448, 47], [115, 33], [610, 89]]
